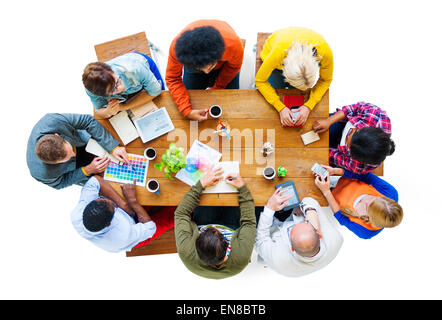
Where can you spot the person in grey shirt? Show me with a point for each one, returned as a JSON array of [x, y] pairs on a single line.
[[56, 153]]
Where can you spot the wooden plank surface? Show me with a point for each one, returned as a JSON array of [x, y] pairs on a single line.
[[114, 48], [236, 104], [253, 121]]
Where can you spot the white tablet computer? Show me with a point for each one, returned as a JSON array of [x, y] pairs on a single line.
[[154, 124]]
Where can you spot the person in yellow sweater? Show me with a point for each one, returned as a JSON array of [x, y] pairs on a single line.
[[295, 57]]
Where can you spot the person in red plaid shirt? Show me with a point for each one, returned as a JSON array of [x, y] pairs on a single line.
[[359, 137]]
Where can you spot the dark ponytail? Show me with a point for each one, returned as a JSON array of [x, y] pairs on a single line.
[[371, 145], [392, 147]]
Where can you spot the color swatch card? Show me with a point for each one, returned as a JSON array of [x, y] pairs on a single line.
[[199, 159], [126, 173]]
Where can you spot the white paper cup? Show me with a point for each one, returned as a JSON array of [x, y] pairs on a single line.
[[150, 153], [213, 108], [153, 186], [266, 174]]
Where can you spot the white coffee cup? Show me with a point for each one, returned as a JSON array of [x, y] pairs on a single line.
[[266, 174], [213, 108], [153, 186], [150, 153]]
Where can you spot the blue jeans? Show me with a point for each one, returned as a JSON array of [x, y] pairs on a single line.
[[226, 216], [197, 80], [153, 67], [335, 133], [277, 80]]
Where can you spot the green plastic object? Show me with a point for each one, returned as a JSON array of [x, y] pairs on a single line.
[[282, 172], [172, 161]]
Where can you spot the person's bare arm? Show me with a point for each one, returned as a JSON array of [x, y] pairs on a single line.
[[324, 186], [107, 191], [129, 192], [323, 125]]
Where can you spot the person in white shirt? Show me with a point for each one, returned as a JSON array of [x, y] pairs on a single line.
[[301, 244], [110, 221]]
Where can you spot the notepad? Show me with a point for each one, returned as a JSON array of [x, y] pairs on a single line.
[[222, 186], [124, 127], [309, 137], [140, 111], [95, 148]]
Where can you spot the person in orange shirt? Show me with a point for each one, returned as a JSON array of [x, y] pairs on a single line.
[[365, 204], [211, 54]]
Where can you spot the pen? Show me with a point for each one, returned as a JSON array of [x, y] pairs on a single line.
[[226, 133], [231, 178]]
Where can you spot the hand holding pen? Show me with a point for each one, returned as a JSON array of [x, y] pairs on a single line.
[[235, 180]]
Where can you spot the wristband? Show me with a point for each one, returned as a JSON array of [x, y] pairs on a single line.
[[84, 172]]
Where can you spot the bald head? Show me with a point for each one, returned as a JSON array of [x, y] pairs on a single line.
[[304, 239]]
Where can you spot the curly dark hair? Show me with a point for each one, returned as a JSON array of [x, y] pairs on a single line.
[[97, 215], [199, 47]]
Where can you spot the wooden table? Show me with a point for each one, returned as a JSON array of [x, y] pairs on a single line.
[[253, 121]]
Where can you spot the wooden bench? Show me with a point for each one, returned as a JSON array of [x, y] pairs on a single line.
[[260, 41]]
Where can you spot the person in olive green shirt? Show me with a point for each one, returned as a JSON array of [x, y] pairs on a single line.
[[215, 242]]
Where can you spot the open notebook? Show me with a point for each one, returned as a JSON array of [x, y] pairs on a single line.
[[222, 186]]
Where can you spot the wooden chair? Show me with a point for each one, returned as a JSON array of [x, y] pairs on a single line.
[[163, 244], [133, 43], [261, 39]]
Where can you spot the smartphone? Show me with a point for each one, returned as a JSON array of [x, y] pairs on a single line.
[[320, 170]]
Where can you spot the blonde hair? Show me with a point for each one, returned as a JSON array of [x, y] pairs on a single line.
[[383, 212], [301, 65]]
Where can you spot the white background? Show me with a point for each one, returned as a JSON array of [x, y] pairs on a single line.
[[386, 53]]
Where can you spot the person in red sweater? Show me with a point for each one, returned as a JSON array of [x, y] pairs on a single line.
[[211, 54]]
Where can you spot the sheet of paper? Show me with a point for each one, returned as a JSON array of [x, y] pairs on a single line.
[[124, 127], [199, 159], [222, 186], [95, 148]]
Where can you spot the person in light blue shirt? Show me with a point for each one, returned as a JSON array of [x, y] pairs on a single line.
[[113, 82], [109, 221]]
